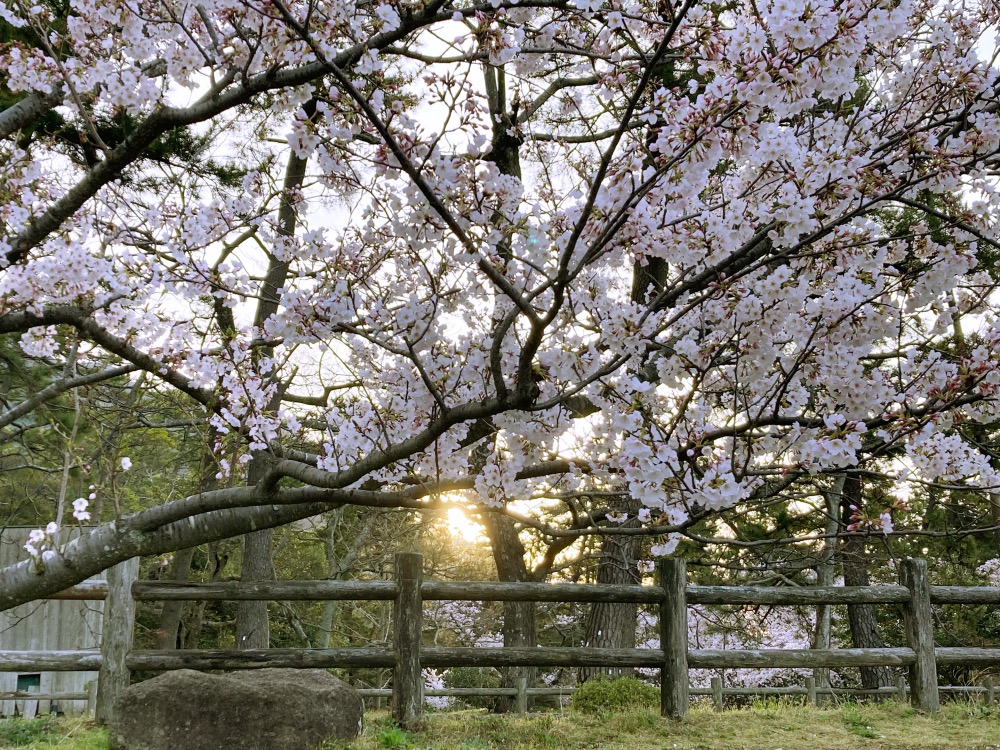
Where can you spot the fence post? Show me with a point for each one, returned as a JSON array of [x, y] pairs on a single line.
[[717, 697], [521, 700], [116, 637], [988, 688], [407, 681], [673, 639], [901, 689], [811, 691], [92, 699], [919, 623]]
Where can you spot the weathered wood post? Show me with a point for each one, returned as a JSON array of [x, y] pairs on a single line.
[[811, 692], [673, 639], [901, 689], [116, 637], [988, 691], [407, 681], [919, 624], [521, 699], [717, 697], [92, 699]]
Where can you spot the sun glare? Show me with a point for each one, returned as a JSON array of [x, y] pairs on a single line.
[[461, 526]]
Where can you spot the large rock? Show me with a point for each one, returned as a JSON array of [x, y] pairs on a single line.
[[266, 709]]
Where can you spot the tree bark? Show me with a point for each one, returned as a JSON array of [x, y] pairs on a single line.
[[167, 635], [854, 559], [190, 634], [614, 625], [252, 624], [519, 627], [333, 573]]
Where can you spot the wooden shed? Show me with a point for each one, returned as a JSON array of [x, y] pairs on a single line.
[[45, 626]]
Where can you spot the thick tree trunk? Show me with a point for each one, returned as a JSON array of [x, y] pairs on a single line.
[[862, 617], [167, 635], [252, 624], [253, 627], [333, 573], [614, 625], [190, 634], [519, 627]]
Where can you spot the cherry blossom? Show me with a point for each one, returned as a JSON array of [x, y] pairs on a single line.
[[412, 259]]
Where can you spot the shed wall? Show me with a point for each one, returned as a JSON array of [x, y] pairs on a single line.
[[46, 626]]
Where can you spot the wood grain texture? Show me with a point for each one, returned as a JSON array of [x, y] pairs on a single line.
[[674, 698], [919, 624], [407, 680], [117, 638]]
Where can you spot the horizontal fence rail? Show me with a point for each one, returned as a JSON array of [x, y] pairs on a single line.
[[548, 657], [798, 595], [970, 657], [477, 692], [800, 658], [86, 591], [493, 591], [810, 690], [407, 656], [20, 695], [965, 595], [84, 660], [290, 658], [264, 591], [441, 657]]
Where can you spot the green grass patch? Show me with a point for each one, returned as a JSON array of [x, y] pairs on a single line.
[[859, 725], [24, 732], [766, 726], [50, 733]]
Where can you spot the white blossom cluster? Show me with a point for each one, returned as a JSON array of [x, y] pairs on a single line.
[[814, 179]]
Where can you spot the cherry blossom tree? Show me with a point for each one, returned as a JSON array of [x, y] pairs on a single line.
[[406, 274]]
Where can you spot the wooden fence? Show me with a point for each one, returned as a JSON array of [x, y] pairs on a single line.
[[812, 693], [408, 656], [116, 641]]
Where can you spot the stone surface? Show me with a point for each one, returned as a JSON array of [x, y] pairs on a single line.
[[266, 709]]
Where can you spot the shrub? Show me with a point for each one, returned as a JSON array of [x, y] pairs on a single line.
[[596, 696], [471, 677]]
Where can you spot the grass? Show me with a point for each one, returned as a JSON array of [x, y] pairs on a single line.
[[49, 733], [765, 725]]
